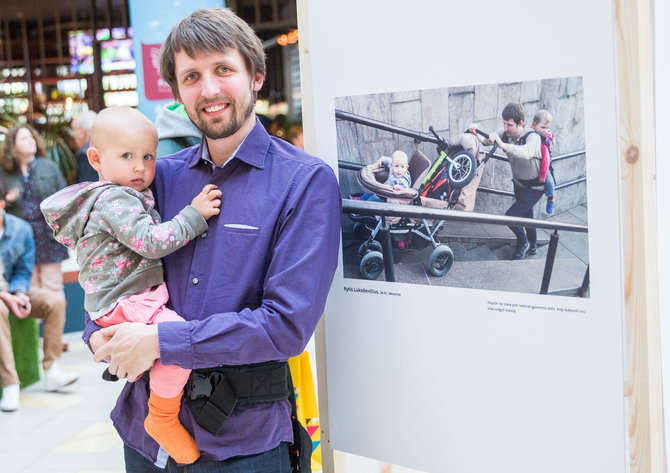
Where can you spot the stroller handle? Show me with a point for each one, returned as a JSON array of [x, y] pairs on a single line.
[[479, 132], [442, 143]]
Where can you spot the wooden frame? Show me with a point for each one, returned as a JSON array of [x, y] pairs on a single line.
[[643, 384]]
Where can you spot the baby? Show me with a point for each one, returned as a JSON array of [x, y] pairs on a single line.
[[398, 177], [397, 165], [541, 124], [119, 239]]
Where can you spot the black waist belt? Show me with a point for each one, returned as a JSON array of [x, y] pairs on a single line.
[[214, 393]]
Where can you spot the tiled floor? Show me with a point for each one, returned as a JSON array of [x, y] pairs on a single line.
[[67, 431]]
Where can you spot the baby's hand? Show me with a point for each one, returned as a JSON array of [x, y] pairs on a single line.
[[208, 201], [397, 187]]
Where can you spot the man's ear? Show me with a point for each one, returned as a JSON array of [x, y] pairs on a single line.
[[258, 81], [94, 158]]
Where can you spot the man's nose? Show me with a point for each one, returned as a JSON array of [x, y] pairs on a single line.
[[210, 86]]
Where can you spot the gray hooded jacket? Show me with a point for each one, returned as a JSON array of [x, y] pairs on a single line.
[[118, 238]]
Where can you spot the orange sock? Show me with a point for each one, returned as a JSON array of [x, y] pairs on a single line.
[[163, 425]]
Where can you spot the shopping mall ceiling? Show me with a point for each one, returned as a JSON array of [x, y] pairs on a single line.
[[33, 10]]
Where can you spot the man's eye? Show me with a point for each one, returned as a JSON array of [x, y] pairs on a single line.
[[224, 69], [126, 156], [190, 77]]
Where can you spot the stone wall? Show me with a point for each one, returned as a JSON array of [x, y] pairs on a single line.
[[450, 111]]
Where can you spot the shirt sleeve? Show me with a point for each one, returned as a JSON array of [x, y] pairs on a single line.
[[529, 150], [295, 288], [134, 227], [23, 269]]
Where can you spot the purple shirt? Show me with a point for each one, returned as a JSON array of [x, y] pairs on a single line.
[[251, 288]]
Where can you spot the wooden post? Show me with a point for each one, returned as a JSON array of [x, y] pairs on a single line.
[[643, 384]]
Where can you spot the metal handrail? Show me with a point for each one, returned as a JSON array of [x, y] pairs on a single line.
[[383, 210], [364, 207]]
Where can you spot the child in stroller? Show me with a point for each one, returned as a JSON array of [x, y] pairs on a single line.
[[398, 174], [406, 233]]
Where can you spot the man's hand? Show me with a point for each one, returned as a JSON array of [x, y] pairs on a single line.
[[473, 129], [208, 201], [96, 340], [132, 350], [18, 304]]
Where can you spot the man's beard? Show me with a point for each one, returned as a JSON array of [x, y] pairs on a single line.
[[220, 127]]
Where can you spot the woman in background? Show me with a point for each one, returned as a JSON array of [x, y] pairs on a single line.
[[29, 178]]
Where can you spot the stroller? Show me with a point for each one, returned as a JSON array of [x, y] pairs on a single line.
[[406, 233], [432, 186]]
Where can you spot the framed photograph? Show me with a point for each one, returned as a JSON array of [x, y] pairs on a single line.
[[427, 129]]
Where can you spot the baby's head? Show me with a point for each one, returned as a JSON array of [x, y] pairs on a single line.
[[123, 147], [399, 163], [542, 122]]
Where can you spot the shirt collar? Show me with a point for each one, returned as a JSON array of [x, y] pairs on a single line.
[[252, 150]]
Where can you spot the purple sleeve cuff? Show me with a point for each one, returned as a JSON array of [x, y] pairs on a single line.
[[89, 327], [174, 342]]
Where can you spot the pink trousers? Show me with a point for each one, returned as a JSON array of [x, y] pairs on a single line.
[[166, 381]]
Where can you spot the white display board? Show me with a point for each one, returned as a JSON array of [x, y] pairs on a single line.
[[429, 376]]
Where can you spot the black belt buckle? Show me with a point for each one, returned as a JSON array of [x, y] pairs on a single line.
[[219, 408], [199, 385]]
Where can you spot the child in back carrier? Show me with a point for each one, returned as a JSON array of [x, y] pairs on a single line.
[[541, 124]]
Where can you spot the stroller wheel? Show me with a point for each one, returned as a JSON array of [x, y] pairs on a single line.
[[372, 265], [462, 169], [368, 246], [440, 261]]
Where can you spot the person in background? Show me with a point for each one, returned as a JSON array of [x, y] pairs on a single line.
[[294, 135], [80, 129], [17, 254], [175, 130], [30, 178], [277, 126], [252, 289]]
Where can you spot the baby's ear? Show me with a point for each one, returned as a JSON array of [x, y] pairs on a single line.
[[93, 158]]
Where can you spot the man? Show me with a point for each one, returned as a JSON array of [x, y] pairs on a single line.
[[253, 287], [523, 152], [17, 253], [81, 133]]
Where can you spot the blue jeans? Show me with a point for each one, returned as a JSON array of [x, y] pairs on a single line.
[[272, 461], [526, 198], [549, 185]]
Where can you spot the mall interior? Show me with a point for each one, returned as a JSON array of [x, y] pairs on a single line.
[[57, 60]]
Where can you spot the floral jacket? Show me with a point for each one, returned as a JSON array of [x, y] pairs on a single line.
[[118, 238]]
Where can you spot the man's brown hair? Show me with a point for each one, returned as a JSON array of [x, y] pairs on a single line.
[[210, 31], [514, 111]]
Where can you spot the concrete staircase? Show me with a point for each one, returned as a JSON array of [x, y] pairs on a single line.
[[483, 259]]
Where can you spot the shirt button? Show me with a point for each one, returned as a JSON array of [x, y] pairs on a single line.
[[204, 235], [195, 280]]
